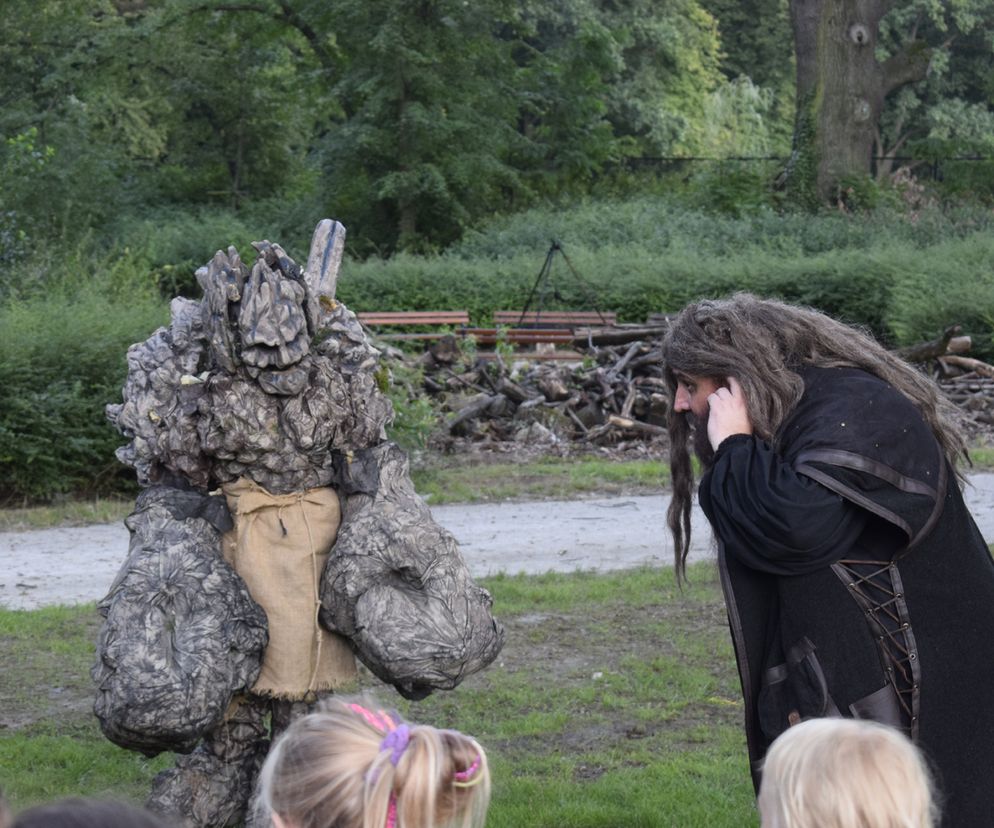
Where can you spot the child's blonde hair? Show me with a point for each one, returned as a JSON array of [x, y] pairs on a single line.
[[351, 765], [845, 773]]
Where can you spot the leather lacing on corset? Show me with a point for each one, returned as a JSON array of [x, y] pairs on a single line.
[[876, 586]]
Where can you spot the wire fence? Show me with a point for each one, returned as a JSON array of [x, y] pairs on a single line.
[[930, 168]]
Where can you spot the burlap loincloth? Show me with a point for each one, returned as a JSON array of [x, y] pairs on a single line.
[[279, 546]]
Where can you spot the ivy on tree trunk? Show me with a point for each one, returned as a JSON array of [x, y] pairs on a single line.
[[841, 87]]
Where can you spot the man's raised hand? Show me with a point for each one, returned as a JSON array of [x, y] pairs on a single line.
[[729, 413]]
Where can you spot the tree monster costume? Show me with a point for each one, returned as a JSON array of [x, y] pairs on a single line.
[[277, 535], [856, 581]]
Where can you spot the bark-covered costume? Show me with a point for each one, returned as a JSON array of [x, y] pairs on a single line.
[[857, 583], [277, 536]]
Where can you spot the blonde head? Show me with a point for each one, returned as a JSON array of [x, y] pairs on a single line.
[[330, 769], [845, 773]]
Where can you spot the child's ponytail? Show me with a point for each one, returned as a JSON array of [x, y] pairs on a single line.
[[442, 779], [351, 765]]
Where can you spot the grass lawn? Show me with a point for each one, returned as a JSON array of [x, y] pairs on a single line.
[[615, 703]]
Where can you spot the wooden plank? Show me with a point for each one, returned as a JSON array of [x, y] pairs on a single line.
[[518, 336], [401, 337], [541, 356], [555, 318], [659, 318], [414, 317]]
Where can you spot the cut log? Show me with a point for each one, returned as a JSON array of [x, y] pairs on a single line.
[[926, 351], [553, 387], [619, 366], [959, 345], [512, 390], [636, 425], [983, 369], [583, 337], [474, 408]]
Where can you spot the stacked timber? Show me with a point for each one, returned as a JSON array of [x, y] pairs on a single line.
[[967, 382], [616, 395], [973, 394]]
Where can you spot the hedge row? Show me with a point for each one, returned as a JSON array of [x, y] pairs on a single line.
[[64, 334], [905, 282], [62, 359]]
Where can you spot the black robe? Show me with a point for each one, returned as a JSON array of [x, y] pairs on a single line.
[[857, 583]]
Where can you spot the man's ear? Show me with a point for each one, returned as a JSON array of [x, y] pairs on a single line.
[[278, 821]]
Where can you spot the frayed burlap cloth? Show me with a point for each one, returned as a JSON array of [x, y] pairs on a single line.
[[279, 547]]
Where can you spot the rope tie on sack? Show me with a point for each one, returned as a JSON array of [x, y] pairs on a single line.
[[297, 499]]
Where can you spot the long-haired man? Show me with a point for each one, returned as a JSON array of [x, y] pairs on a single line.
[[856, 582]]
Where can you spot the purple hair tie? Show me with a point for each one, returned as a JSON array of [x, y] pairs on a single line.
[[396, 742]]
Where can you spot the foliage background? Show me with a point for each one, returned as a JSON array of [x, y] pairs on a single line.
[[455, 141]]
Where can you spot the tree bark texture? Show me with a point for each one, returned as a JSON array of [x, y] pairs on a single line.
[[841, 88]]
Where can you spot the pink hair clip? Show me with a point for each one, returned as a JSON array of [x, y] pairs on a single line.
[[469, 777], [381, 720]]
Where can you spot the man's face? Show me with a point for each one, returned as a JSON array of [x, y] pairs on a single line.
[[692, 400], [692, 395]]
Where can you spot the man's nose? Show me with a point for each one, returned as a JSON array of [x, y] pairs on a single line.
[[682, 400]]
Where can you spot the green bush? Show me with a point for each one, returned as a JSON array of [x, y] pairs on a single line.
[[642, 256], [176, 243], [954, 286], [732, 188], [63, 340], [659, 223], [66, 320], [415, 415]]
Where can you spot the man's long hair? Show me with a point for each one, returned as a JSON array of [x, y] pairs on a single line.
[[763, 343]]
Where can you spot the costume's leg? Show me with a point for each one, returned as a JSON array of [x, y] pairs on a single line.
[[211, 787], [284, 712]]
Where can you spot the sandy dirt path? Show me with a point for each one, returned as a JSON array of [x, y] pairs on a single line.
[[76, 565]]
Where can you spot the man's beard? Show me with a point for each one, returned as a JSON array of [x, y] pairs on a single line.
[[701, 443]]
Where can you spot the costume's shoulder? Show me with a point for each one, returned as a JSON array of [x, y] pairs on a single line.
[[865, 440]]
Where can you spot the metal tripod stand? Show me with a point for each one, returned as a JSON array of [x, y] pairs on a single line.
[[543, 283]]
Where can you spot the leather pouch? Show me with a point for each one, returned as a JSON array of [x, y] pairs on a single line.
[[794, 691], [880, 706]]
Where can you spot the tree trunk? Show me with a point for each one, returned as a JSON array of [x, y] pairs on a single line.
[[841, 89], [407, 223]]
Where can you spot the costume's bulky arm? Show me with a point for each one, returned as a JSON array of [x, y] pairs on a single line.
[[770, 517], [397, 586], [182, 634]]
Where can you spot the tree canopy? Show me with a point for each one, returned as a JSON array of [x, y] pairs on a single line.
[[412, 120]]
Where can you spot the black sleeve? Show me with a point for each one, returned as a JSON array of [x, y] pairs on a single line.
[[769, 517]]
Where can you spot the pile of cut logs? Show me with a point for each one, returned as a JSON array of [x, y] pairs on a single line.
[[973, 393], [967, 382], [616, 393]]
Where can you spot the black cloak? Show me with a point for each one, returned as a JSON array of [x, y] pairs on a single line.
[[857, 583]]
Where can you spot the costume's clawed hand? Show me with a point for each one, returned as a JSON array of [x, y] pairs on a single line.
[[729, 413]]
